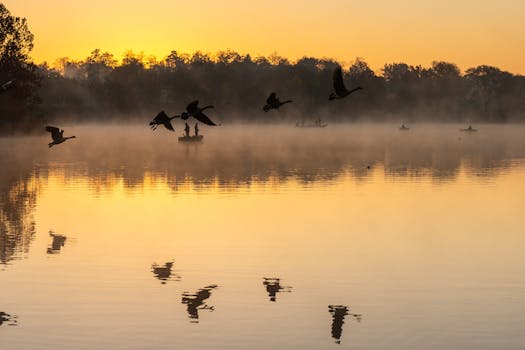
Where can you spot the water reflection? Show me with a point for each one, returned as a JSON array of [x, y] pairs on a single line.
[[339, 312], [164, 273], [237, 158], [18, 197], [196, 302], [57, 243], [232, 243], [241, 156], [10, 320], [273, 286]]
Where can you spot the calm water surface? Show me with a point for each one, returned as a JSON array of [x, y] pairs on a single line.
[[358, 237]]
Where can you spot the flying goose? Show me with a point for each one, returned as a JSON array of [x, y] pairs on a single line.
[[57, 135], [193, 110], [272, 102], [162, 119], [339, 86]]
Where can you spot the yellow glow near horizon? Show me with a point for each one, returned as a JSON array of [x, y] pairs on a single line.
[[467, 32]]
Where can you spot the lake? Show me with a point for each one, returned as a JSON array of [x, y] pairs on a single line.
[[349, 237]]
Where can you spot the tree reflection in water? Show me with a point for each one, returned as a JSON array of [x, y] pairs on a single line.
[[17, 223], [238, 157]]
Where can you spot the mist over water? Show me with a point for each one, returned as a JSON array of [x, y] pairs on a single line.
[[351, 236], [242, 154]]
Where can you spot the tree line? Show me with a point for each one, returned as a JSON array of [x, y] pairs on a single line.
[[136, 87]]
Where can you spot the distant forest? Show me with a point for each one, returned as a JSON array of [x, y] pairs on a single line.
[[137, 87]]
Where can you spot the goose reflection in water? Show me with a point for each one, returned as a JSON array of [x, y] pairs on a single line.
[[196, 302], [9, 320], [164, 273], [273, 286], [339, 312], [57, 243]]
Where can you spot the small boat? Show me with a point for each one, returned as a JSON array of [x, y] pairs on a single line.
[[311, 125], [469, 129], [197, 138], [403, 127], [315, 124]]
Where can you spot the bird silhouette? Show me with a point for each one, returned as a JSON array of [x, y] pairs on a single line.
[[10, 320], [6, 86], [57, 243], [339, 312], [272, 102], [193, 110], [164, 273], [196, 302], [57, 135], [339, 86], [273, 286], [162, 119]]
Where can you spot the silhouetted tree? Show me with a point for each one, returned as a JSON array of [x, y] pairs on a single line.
[[238, 85], [16, 42], [488, 87], [138, 87]]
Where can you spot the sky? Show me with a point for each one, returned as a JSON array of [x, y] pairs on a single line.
[[465, 32]]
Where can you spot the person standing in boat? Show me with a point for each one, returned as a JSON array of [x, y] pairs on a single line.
[[196, 129], [186, 130]]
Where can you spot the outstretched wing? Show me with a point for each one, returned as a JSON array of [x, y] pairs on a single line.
[[339, 85], [192, 107], [52, 129], [272, 99], [167, 125], [55, 132], [203, 118], [159, 118]]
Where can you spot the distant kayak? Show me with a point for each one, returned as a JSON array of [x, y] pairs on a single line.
[[469, 129], [311, 125], [191, 138]]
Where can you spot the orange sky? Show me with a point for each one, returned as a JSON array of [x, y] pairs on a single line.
[[466, 32]]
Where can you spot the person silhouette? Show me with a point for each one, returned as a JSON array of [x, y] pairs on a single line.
[[187, 130], [196, 129]]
